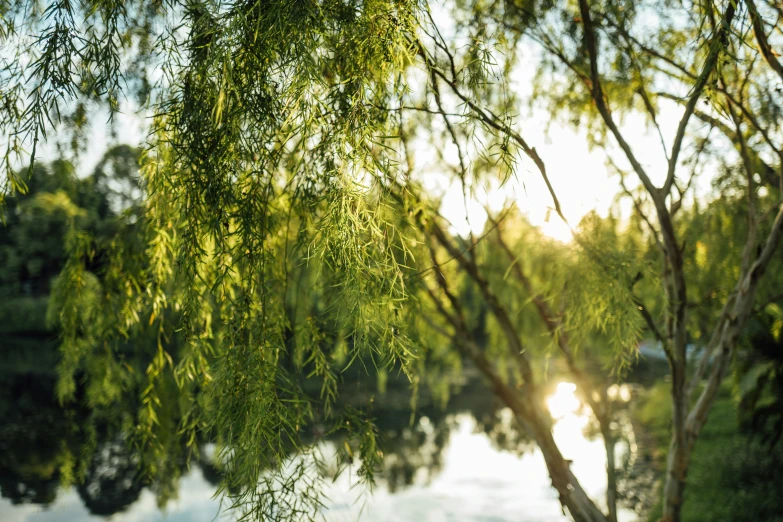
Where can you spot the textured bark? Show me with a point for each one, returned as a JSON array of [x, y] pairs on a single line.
[[679, 451], [611, 473], [572, 496], [674, 488]]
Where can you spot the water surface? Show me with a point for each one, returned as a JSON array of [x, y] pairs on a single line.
[[458, 467]]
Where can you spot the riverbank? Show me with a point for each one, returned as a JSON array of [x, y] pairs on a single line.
[[732, 477]]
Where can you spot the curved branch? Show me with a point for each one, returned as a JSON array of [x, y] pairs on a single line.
[[761, 38], [493, 121], [597, 93], [719, 41]]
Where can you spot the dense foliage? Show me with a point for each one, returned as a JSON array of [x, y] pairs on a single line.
[[286, 227]]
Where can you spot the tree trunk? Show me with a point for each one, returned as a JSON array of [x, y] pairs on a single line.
[[677, 468], [687, 425], [572, 496], [537, 421], [611, 472], [679, 449]]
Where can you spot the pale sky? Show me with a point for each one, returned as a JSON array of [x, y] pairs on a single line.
[[129, 129], [580, 176]]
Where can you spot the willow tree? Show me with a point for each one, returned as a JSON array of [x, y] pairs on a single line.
[[715, 65], [275, 171], [271, 175], [264, 144]]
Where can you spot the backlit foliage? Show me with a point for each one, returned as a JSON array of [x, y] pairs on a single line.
[[262, 213]]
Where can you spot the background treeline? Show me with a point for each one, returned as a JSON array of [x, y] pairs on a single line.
[[37, 224]]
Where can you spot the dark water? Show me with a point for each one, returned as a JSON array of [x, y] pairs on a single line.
[[463, 463]]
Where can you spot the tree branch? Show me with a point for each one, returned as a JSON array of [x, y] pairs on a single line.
[[494, 122], [761, 38], [515, 345], [768, 174], [718, 42], [730, 326], [597, 93], [555, 327]]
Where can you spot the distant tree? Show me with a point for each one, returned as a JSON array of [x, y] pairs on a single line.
[[37, 221], [33, 246]]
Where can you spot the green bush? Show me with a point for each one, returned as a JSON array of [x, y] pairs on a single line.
[[654, 411], [24, 316], [732, 477]]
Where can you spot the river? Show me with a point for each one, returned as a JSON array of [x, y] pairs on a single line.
[[466, 463]]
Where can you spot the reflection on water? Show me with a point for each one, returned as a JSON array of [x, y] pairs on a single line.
[[466, 463], [480, 482], [195, 504]]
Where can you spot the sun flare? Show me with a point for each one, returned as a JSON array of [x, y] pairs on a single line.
[[556, 229], [564, 401]]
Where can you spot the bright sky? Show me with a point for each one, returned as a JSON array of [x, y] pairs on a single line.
[[128, 129], [580, 176]]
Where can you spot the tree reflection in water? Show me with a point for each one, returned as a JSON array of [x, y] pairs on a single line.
[[43, 444], [113, 479], [31, 429], [414, 454]]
